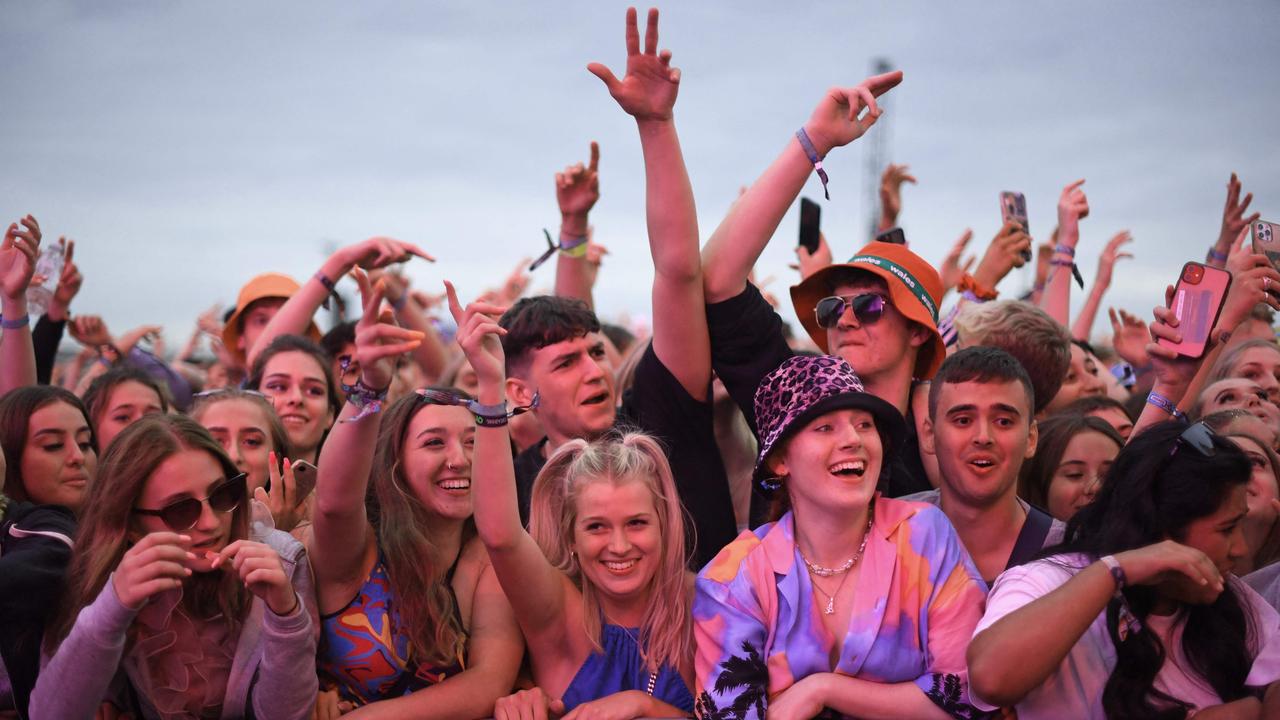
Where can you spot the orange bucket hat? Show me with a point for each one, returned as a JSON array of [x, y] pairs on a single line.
[[914, 289], [262, 287]]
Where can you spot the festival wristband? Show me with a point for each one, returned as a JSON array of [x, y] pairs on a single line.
[[328, 285], [495, 415], [1117, 572], [18, 324], [368, 400], [1215, 255], [1075, 271], [807, 145], [1065, 250], [1165, 404]]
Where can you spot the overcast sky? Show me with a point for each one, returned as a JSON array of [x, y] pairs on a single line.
[[188, 146]]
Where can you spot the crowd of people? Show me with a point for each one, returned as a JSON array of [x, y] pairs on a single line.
[[876, 508]]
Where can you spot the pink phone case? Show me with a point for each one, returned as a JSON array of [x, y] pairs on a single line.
[[1197, 302]]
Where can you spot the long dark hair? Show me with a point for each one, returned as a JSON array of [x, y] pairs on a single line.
[[1157, 486], [16, 408], [1056, 433]]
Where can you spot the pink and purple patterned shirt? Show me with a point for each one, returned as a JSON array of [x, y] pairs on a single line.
[[759, 629]]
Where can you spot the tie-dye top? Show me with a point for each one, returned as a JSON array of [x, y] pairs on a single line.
[[759, 629], [365, 656]]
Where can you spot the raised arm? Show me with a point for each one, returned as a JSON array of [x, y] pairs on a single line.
[[734, 247], [17, 264], [577, 190], [1178, 379], [340, 525], [1072, 207], [1233, 223], [1101, 282], [891, 194], [648, 93], [296, 314], [431, 354], [536, 589]]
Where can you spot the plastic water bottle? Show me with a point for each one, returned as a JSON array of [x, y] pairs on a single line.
[[49, 264]]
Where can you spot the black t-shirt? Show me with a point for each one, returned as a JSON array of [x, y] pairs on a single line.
[[746, 345], [659, 405]]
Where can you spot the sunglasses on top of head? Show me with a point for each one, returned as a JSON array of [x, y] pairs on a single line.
[[868, 308], [182, 515]]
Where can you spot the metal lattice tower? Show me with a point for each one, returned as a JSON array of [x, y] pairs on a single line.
[[876, 153]]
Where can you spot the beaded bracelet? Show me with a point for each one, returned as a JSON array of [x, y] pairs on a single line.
[[807, 145]]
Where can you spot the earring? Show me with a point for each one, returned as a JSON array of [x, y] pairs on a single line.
[[772, 483]]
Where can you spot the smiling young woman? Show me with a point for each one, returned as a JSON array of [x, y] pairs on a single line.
[[295, 374], [170, 591], [848, 601]]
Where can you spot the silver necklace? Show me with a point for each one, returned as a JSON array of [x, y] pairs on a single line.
[[821, 571]]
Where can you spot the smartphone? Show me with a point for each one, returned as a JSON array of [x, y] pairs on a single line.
[[892, 235], [304, 479], [1266, 240], [1197, 302], [810, 217], [1013, 206]]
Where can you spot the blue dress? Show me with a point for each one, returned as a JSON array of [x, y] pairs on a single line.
[[620, 667]]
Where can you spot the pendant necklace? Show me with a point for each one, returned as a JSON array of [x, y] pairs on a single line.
[[822, 571]]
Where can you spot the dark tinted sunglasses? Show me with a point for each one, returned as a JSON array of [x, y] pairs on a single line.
[[1198, 437], [868, 308], [182, 515]]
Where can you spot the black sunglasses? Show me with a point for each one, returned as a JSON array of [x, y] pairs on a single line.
[[868, 308], [182, 515], [1198, 437]]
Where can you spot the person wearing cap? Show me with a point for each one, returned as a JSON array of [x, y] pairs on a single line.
[[259, 301], [272, 304], [847, 600], [878, 311]]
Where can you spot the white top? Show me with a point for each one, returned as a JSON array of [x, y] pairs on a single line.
[[1075, 689]]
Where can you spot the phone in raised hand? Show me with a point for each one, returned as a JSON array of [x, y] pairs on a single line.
[[1197, 303], [1013, 206], [810, 220], [304, 479], [1266, 240]]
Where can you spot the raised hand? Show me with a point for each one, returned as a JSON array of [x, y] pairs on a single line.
[[90, 331], [839, 118], [18, 256], [809, 263], [1003, 254], [1110, 254], [1129, 337], [578, 187], [1252, 283], [379, 343], [648, 90], [1171, 369], [378, 252], [68, 283], [210, 321], [156, 563], [891, 193], [282, 500], [478, 333], [1234, 221], [1073, 207], [259, 568], [952, 268]]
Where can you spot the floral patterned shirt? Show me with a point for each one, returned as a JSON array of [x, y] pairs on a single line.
[[759, 631]]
